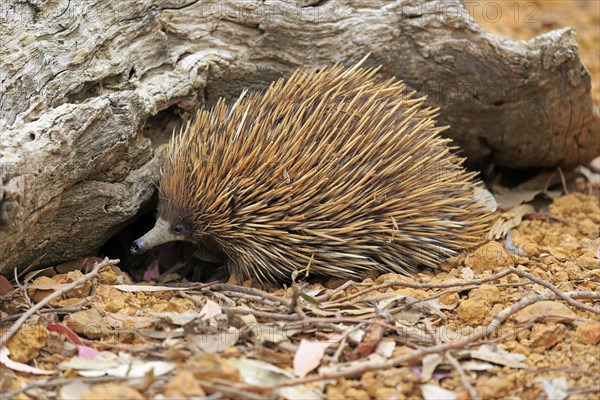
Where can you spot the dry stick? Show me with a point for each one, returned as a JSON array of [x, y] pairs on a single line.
[[228, 389], [64, 310], [28, 268], [583, 390], [462, 376], [294, 306], [555, 290], [340, 349], [60, 382], [241, 289], [15, 327], [22, 289], [415, 285], [448, 291], [249, 297], [191, 298], [563, 181], [500, 318], [263, 314], [340, 288], [513, 333]]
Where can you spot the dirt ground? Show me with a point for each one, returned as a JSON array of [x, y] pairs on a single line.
[[515, 318]]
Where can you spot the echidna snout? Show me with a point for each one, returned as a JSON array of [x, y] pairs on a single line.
[[334, 171], [162, 232]]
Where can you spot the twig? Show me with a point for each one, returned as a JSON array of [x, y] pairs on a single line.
[[263, 314], [295, 306], [15, 327], [511, 334], [582, 390], [464, 379], [342, 345], [29, 267], [228, 388], [22, 288], [190, 298], [419, 353], [448, 291], [256, 292], [59, 382], [563, 180], [415, 285], [249, 297], [555, 290], [65, 310], [338, 289]]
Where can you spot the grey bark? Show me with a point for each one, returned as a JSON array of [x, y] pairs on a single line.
[[89, 89]]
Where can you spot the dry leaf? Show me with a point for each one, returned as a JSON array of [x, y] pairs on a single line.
[[430, 363], [546, 310], [385, 348], [498, 356], [435, 392], [556, 388], [5, 286], [508, 220], [123, 365], [308, 356], [17, 366], [486, 198], [177, 318], [74, 390], [146, 288], [255, 372], [210, 310], [215, 342]]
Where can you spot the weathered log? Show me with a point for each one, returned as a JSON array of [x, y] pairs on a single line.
[[90, 88]]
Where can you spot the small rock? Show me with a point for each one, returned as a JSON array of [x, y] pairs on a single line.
[[495, 387], [588, 262], [358, 394], [489, 293], [384, 278], [449, 299], [88, 323], [473, 311], [588, 332], [111, 391], [547, 335], [24, 346], [184, 384], [490, 256], [528, 244], [385, 393]]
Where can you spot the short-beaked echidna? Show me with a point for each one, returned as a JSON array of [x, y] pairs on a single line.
[[333, 169]]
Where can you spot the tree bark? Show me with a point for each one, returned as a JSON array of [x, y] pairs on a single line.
[[89, 89]]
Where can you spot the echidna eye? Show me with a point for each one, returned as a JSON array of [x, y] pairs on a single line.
[[178, 229]]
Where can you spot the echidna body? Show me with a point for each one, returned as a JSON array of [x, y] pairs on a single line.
[[330, 169]]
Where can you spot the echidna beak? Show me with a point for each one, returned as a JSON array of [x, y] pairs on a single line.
[[158, 235], [139, 247]]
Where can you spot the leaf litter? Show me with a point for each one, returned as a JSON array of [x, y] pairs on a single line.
[[491, 323]]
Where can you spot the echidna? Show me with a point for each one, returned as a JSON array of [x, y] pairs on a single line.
[[331, 169]]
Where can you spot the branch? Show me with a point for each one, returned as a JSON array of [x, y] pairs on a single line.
[[46, 300]]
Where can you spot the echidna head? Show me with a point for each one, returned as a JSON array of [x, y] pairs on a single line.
[[175, 220], [188, 210], [171, 225]]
